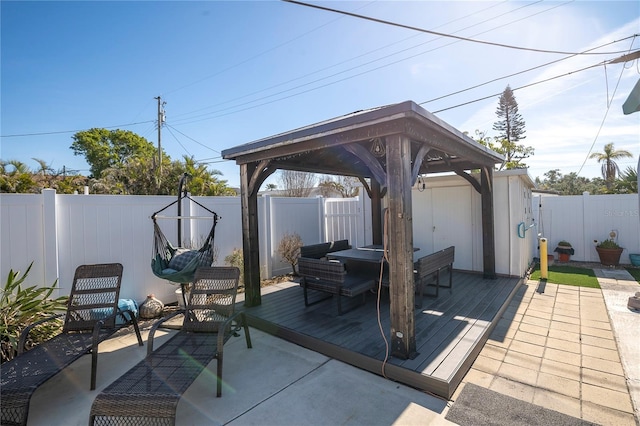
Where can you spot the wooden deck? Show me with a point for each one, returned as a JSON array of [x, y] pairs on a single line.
[[450, 329]]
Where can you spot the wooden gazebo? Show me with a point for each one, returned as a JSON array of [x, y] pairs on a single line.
[[386, 148]]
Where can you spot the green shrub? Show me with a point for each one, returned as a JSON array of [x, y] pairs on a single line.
[[20, 308], [236, 259]]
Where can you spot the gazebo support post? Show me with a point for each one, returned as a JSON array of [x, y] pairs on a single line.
[[250, 249], [488, 235], [252, 175], [376, 212], [399, 230]]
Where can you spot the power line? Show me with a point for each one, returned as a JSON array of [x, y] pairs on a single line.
[[395, 24], [264, 52], [356, 67], [518, 88], [350, 59], [603, 120], [228, 110], [520, 72], [18, 135], [179, 143], [189, 137]]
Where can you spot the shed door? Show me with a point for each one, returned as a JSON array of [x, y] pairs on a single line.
[[453, 223]]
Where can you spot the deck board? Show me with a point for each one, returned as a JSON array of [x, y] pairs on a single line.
[[450, 329]]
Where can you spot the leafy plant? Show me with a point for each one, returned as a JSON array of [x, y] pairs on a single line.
[[289, 249], [608, 244], [236, 259], [564, 243], [21, 307]]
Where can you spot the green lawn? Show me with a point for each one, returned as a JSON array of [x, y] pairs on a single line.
[[568, 275], [635, 273]]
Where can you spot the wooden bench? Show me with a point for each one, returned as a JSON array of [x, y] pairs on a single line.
[[330, 277], [319, 251], [430, 266]]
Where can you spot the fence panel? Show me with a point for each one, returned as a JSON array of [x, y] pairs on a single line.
[[344, 220], [22, 242], [289, 215], [581, 219]]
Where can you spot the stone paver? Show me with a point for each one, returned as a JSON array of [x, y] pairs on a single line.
[[561, 353]]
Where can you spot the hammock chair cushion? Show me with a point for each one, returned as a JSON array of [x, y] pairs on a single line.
[[181, 258]]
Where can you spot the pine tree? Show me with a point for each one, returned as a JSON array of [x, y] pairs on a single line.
[[511, 131]]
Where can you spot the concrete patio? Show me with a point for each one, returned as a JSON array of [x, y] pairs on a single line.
[[568, 349]]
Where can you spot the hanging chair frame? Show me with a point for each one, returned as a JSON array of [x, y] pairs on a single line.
[[163, 250]]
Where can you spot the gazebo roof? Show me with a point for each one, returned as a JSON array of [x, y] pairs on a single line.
[[352, 144]]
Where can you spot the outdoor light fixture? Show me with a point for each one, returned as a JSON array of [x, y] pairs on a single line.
[[377, 148]]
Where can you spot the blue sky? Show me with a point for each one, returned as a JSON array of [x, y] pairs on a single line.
[[234, 72]]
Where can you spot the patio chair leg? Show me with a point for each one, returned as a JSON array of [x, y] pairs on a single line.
[[219, 378], [247, 336]]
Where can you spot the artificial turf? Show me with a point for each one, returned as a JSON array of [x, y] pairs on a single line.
[[568, 275]]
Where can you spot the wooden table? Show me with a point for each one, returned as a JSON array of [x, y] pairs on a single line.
[[370, 254]]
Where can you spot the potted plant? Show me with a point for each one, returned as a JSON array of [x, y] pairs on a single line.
[[564, 251], [609, 252]]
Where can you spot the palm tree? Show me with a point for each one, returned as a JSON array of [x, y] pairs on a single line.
[[609, 167]]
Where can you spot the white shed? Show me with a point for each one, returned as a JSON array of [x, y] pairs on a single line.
[[446, 212]]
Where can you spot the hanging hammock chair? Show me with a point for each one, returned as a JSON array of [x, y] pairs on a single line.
[[178, 264]]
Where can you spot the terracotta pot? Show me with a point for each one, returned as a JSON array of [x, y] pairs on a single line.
[[609, 256], [564, 257]]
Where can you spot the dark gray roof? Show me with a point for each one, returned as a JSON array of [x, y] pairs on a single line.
[[323, 147]]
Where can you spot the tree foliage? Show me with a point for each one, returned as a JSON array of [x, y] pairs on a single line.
[[136, 178], [610, 169], [104, 148], [17, 177], [572, 184], [346, 186], [297, 184], [121, 162], [511, 130], [627, 182]]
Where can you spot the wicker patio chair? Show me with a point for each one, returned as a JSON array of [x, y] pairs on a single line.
[[91, 314], [150, 391]]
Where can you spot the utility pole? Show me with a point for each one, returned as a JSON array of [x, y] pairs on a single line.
[[161, 119]]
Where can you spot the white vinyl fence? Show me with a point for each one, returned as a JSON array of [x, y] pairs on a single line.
[[583, 219], [58, 232]]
